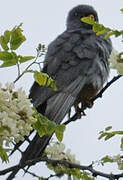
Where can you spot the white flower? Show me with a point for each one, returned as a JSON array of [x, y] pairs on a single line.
[[113, 58], [71, 157], [116, 62], [57, 152], [16, 114], [119, 160]]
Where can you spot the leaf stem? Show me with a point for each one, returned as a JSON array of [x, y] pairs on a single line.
[[21, 74], [18, 68]]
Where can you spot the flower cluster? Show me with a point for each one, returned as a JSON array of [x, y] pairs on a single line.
[[119, 160], [116, 62], [16, 114], [57, 152]]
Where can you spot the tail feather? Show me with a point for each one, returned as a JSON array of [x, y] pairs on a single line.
[[59, 105]]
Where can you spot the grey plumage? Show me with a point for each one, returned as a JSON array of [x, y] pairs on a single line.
[[75, 59]]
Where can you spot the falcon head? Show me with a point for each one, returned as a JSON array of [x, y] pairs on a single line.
[[74, 17]]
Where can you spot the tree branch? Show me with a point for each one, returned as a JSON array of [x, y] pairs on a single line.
[[76, 116], [65, 163], [99, 95], [72, 119], [53, 175]]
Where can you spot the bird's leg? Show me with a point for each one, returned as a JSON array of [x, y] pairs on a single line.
[[88, 104], [81, 106], [79, 109], [69, 113]]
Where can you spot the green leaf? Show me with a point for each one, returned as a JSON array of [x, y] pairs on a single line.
[[101, 32], [3, 154], [5, 56], [88, 20], [46, 127], [121, 10], [97, 28], [100, 29], [14, 37], [40, 128], [23, 59], [109, 34], [7, 35], [103, 134], [4, 39], [59, 132], [44, 80], [121, 146], [3, 43], [40, 78], [9, 59], [107, 159], [108, 128], [17, 38], [110, 135], [51, 126], [118, 132]]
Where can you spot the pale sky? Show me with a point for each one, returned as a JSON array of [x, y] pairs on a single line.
[[42, 22]]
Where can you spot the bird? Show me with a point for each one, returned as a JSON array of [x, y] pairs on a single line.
[[77, 60]]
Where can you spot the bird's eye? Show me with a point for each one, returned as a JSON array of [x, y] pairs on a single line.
[[91, 16]]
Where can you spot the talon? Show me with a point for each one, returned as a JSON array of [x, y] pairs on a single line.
[[80, 112], [88, 104]]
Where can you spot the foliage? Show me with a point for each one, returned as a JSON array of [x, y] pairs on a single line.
[[57, 152], [107, 134], [46, 127], [100, 29], [15, 116], [3, 154], [44, 80], [10, 41], [72, 173]]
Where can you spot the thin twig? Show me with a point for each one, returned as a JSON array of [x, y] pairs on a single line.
[[72, 119], [33, 174], [99, 95], [18, 67], [27, 68], [66, 164], [53, 175]]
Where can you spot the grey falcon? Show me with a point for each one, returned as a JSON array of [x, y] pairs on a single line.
[[78, 62]]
